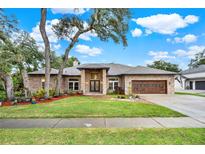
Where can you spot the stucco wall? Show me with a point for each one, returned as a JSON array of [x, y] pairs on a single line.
[[168, 78]]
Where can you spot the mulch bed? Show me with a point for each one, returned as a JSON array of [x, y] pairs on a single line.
[[8, 103]]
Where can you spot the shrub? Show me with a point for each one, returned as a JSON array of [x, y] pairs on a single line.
[[40, 93], [136, 96], [2, 95], [19, 94], [71, 92], [122, 96], [51, 92]]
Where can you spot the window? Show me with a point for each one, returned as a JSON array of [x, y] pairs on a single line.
[[73, 84], [113, 84]]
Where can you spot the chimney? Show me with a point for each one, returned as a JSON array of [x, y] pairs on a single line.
[[75, 62]]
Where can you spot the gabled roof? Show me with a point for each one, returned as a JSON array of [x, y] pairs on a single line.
[[113, 69], [199, 69]]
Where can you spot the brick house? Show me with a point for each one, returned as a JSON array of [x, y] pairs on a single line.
[[99, 78]]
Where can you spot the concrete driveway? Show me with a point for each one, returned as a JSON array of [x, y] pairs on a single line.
[[192, 106]]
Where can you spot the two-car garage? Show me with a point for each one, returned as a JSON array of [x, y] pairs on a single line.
[[149, 86]]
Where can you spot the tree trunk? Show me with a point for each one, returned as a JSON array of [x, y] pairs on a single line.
[[9, 87], [59, 80], [60, 73], [47, 50], [8, 82], [26, 83], [67, 51]]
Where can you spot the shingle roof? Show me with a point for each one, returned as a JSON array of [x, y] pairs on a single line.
[[42, 71], [72, 71], [146, 70], [199, 69], [93, 66], [113, 69]]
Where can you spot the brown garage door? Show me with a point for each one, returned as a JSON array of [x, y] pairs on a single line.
[[149, 86]]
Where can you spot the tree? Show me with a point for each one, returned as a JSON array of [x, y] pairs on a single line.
[[6, 59], [56, 61], [160, 64], [7, 26], [47, 50], [199, 59], [106, 23], [28, 58]]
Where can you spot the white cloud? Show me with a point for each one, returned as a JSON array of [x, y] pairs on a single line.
[[190, 52], [56, 46], [86, 50], [148, 32], [189, 38], [165, 23], [136, 32], [53, 39], [87, 36], [69, 11], [160, 55], [191, 19], [52, 36]]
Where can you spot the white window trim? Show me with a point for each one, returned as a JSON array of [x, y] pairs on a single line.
[[113, 84], [73, 87]]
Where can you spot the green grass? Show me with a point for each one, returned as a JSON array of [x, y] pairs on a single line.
[[103, 136], [83, 106], [189, 93]]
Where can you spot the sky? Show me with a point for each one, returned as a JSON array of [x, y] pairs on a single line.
[[173, 35]]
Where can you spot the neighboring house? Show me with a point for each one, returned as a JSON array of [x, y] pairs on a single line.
[[101, 78], [193, 79]]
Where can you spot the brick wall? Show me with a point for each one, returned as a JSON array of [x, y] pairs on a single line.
[[36, 84]]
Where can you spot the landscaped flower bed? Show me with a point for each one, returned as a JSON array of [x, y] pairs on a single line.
[[37, 100]]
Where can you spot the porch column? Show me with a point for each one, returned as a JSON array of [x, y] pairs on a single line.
[[104, 80], [82, 72]]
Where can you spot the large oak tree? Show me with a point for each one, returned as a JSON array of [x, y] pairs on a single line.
[[106, 23]]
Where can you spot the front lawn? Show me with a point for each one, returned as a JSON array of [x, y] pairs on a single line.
[[103, 136], [189, 93], [83, 106]]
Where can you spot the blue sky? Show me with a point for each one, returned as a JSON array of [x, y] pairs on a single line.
[[173, 35]]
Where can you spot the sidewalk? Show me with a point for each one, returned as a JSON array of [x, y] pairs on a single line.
[[186, 122]]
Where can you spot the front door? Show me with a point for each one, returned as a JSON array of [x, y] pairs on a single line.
[[94, 85], [191, 85]]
